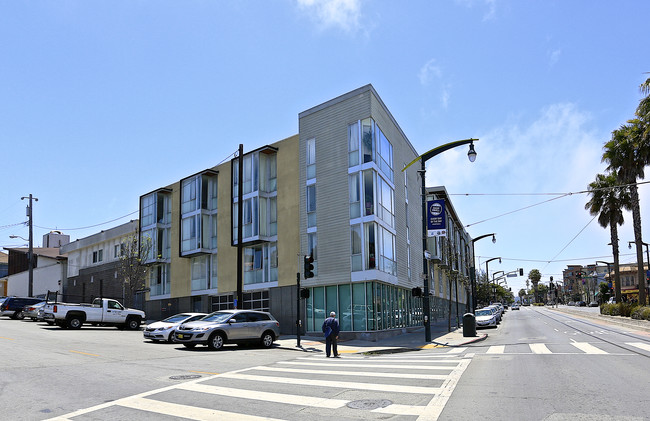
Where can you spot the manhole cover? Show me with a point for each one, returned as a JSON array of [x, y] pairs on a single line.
[[186, 377], [369, 404]]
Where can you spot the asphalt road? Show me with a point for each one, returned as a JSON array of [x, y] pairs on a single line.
[[539, 364], [542, 364]]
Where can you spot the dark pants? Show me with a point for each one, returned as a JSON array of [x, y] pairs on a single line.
[[330, 344]]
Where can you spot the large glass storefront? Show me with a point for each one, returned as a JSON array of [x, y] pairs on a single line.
[[363, 306]]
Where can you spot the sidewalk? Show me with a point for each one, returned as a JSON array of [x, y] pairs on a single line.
[[411, 341]]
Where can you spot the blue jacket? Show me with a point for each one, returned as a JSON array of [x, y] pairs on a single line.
[[331, 326]]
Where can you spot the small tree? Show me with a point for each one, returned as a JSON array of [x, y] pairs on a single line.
[[535, 276], [131, 270]]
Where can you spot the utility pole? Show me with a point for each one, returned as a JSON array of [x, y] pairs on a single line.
[[30, 255], [240, 230]]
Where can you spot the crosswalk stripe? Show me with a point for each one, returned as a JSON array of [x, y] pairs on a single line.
[[356, 373], [641, 345], [496, 349], [457, 350], [266, 396], [398, 366], [539, 349], [187, 411], [588, 348], [338, 384]]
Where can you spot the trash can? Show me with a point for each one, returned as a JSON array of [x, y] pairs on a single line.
[[469, 325]]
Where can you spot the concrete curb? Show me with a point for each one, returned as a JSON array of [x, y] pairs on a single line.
[[471, 341]]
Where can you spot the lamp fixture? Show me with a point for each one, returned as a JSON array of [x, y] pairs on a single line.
[[472, 153]]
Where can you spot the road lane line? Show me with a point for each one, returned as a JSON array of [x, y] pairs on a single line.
[[356, 373], [338, 384], [266, 396], [418, 367], [641, 345], [588, 348], [187, 411], [496, 349], [539, 349], [9, 339], [84, 353]]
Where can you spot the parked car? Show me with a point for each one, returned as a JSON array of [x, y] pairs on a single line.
[[229, 326], [163, 330], [515, 306], [571, 303], [581, 304], [485, 318], [494, 311], [497, 309], [32, 311], [593, 304], [13, 306]]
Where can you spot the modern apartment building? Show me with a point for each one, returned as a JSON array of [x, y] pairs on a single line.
[[334, 191]]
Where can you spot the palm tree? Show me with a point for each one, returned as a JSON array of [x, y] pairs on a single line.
[[643, 110], [627, 154], [607, 201]]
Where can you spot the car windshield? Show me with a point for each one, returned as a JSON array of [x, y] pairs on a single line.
[[483, 313], [176, 318], [217, 316]]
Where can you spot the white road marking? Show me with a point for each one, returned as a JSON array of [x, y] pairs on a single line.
[[266, 396], [641, 345], [457, 350], [496, 349], [187, 411], [539, 349], [588, 348], [398, 366], [331, 383], [437, 404], [356, 373]]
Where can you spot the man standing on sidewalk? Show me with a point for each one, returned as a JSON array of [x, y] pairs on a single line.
[[331, 330]]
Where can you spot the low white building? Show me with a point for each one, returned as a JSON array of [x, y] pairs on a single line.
[[48, 273]]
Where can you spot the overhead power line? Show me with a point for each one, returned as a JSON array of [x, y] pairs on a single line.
[[89, 226]]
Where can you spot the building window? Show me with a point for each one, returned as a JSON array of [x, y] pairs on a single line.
[[199, 272], [369, 192], [159, 279], [261, 263], [311, 159], [355, 195], [356, 248], [371, 246], [199, 197], [311, 205], [368, 140], [189, 189], [385, 201], [98, 256], [189, 229], [385, 155], [353, 144]]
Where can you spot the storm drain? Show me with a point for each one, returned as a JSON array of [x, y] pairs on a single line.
[[369, 404], [186, 377]]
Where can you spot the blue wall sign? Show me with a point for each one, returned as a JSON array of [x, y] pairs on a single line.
[[436, 222]]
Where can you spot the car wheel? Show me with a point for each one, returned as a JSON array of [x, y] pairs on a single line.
[[216, 341], [190, 346], [34, 319], [170, 338], [74, 322], [132, 323], [267, 340]]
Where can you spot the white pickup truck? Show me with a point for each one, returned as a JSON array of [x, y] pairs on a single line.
[[102, 311]]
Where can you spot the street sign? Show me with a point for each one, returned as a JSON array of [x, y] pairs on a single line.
[[436, 224]]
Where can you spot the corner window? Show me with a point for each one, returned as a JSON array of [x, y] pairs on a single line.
[[311, 159], [311, 206]]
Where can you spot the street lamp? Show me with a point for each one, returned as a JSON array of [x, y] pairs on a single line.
[[472, 270], [487, 272], [629, 245], [471, 154], [645, 278], [609, 272]]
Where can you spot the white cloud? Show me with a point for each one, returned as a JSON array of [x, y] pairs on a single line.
[[491, 5], [429, 72], [554, 56], [344, 14]]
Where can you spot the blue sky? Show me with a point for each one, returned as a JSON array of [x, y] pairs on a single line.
[[103, 101]]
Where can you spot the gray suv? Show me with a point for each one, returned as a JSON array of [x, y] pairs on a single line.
[[229, 326]]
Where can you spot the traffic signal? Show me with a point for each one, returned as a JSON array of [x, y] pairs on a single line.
[[309, 267], [416, 292], [521, 271], [304, 292]]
